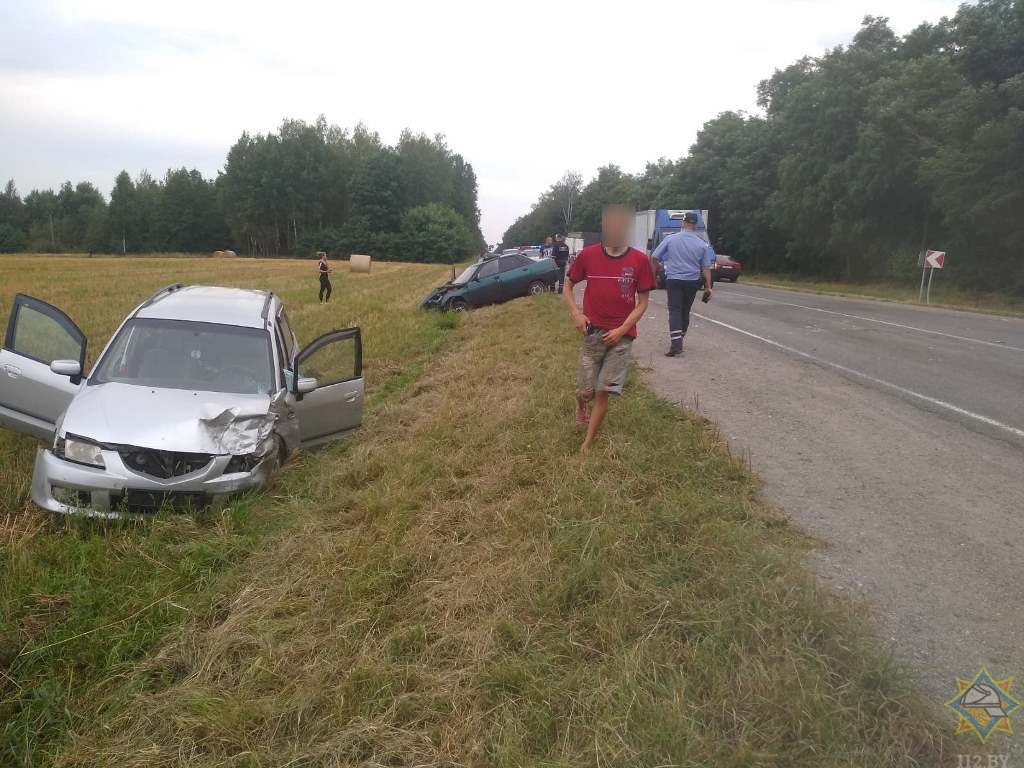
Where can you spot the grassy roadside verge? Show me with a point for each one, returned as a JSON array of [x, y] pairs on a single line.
[[80, 602], [460, 588], [943, 296]]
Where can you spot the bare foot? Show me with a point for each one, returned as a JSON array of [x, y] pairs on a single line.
[[582, 417]]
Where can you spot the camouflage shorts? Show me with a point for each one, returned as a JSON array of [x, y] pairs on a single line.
[[602, 368]]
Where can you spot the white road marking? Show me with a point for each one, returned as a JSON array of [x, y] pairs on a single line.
[[995, 344], [878, 382]]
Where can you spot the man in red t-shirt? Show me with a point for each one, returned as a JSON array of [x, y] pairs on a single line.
[[618, 280]]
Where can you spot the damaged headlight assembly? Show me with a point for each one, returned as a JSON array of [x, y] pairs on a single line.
[[247, 462], [243, 463], [78, 450]]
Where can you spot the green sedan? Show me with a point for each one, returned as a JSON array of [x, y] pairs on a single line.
[[493, 280]]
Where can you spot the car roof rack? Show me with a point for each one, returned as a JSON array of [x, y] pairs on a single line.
[[266, 306], [166, 290]]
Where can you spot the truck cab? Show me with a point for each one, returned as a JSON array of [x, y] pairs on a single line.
[[651, 227]]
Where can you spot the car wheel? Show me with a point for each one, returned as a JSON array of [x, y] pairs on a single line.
[[734, 278], [458, 305], [537, 288]]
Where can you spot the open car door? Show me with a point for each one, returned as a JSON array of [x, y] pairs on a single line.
[[335, 407], [32, 397]]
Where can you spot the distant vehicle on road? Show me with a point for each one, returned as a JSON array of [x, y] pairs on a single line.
[[726, 269], [651, 227], [493, 280], [202, 393]]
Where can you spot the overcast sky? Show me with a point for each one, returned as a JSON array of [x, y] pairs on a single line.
[[524, 90]]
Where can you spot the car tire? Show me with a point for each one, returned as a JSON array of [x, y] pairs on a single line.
[[457, 305], [536, 288], [734, 278]]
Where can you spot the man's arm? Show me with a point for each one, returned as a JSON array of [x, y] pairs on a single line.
[[578, 318], [709, 261], [659, 252], [611, 338]]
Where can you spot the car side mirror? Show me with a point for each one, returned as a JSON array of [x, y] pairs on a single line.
[[306, 385], [70, 368]]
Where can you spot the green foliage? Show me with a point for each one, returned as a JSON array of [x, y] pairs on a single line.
[[305, 188], [11, 239], [555, 211], [436, 233], [342, 192], [863, 156]]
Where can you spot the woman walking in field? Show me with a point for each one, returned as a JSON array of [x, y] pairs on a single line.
[[325, 280]]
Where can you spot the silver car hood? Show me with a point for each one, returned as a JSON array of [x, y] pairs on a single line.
[[172, 419]]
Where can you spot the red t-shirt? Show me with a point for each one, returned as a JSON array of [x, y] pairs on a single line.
[[612, 284]]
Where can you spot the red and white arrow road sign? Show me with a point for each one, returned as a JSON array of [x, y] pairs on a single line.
[[934, 259]]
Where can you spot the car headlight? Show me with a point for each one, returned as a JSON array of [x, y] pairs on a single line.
[[243, 462], [78, 450]]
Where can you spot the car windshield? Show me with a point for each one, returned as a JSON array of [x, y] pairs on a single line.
[[466, 276], [179, 354]]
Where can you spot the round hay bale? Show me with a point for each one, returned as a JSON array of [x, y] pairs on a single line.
[[218, 254], [359, 262], [230, 253]]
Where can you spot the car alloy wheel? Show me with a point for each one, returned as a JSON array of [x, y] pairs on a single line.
[[537, 288]]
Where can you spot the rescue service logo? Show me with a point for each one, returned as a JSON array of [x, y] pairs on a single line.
[[984, 705]]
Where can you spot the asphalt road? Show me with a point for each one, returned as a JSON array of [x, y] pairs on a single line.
[[892, 433]]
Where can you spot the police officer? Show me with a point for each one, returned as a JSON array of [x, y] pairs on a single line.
[[687, 259], [560, 253]]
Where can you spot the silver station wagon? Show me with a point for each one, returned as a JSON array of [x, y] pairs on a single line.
[[202, 393]]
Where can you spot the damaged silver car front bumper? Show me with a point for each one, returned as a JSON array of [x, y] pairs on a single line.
[[116, 491]]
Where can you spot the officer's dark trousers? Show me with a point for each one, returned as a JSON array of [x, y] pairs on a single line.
[[681, 294]]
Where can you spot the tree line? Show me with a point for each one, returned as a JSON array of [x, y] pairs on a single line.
[[305, 188], [862, 158]]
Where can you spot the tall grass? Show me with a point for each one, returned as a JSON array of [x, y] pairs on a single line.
[[457, 586], [81, 602]]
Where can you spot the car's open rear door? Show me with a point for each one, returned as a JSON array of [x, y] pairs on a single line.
[[32, 397], [335, 407]]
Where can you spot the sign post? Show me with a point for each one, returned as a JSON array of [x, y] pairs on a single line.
[[929, 262]]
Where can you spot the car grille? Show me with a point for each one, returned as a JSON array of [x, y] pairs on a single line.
[[162, 464], [139, 502]]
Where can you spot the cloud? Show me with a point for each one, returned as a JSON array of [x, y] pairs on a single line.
[[523, 90], [36, 40]]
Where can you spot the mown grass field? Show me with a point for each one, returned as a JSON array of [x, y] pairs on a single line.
[[60, 581], [945, 292], [452, 586]]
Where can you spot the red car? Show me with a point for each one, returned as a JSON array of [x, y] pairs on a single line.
[[726, 269]]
